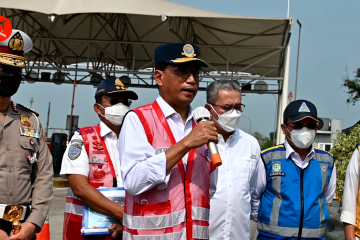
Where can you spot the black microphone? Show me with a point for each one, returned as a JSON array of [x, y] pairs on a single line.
[[202, 114]]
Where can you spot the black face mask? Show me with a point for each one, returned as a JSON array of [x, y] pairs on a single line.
[[9, 83]]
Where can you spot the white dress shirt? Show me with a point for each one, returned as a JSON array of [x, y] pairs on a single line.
[[351, 190], [236, 179], [141, 168], [261, 182], [81, 164]]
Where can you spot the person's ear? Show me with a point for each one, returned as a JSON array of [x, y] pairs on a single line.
[[283, 128], [158, 75], [208, 107], [97, 109]]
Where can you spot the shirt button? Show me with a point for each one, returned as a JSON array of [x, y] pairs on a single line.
[[229, 185], [10, 170], [11, 194], [8, 149], [230, 204]]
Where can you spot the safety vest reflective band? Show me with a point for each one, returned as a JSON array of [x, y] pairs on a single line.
[[179, 211], [199, 232], [101, 174], [291, 232], [293, 203], [357, 225], [164, 221]]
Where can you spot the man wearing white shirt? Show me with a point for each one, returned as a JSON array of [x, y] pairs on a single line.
[[296, 182], [236, 178], [165, 171], [350, 214], [91, 160]]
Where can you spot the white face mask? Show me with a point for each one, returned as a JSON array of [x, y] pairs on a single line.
[[228, 121], [115, 114], [302, 138]]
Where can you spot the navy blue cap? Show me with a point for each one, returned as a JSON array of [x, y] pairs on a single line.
[[177, 53], [300, 109], [114, 86]]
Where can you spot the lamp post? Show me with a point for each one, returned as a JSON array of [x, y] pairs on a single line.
[[298, 54], [249, 121], [275, 121]]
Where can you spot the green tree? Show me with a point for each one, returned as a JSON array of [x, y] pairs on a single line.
[[344, 146], [353, 86], [265, 142]]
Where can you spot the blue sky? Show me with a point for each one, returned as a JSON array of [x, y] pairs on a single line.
[[329, 43]]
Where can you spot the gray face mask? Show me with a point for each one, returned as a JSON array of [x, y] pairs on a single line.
[[115, 114], [302, 138], [228, 121]]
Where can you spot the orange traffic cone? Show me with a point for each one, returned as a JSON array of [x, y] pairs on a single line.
[[44, 234]]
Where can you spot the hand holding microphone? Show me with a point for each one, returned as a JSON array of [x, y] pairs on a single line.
[[202, 116]]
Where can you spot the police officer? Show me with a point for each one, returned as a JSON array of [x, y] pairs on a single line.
[[25, 161], [296, 181], [91, 160]]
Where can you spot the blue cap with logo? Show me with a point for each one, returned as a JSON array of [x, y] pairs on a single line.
[[114, 86], [300, 109], [177, 53]]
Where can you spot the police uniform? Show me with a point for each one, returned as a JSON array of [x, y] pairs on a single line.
[[25, 161]]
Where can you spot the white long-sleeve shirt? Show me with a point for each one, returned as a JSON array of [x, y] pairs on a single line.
[[141, 168], [236, 179], [351, 190], [80, 165], [290, 152]]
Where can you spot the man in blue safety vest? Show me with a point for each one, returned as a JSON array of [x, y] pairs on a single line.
[[295, 180]]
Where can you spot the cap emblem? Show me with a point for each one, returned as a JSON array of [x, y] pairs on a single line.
[[304, 108], [16, 43], [188, 51], [119, 85]]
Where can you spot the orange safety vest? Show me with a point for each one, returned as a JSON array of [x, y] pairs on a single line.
[[181, 210], [102, 174], [357, 226]]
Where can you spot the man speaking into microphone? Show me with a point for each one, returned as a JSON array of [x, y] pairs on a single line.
[[162, 153], [236, 178]]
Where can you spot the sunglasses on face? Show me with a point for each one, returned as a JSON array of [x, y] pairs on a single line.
[[184, 73], [299, 126], [115, 101]]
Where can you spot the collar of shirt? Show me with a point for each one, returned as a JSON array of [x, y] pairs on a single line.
[[235, 135], [104, 130], [290, 152], [169, 111]]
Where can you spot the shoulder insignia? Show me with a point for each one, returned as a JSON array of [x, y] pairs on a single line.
[[13, 106], [25, 108], [74, 151]]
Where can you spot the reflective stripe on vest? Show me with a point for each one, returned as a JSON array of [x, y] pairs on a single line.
[[154, 222], [73, 204], [291, 232], [164, 221], [168, 236], [199, 232]]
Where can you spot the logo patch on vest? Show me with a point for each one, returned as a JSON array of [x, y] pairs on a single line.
[[160, 150], [324, 167], [276, 170]]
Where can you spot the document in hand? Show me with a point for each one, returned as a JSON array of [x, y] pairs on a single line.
[[95, 223]]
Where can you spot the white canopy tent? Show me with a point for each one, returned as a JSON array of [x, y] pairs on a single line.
[[89, 40]]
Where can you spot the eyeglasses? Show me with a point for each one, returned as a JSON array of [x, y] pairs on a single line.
[[184, 73], [115, 101], [299, 126], [226, 108]]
